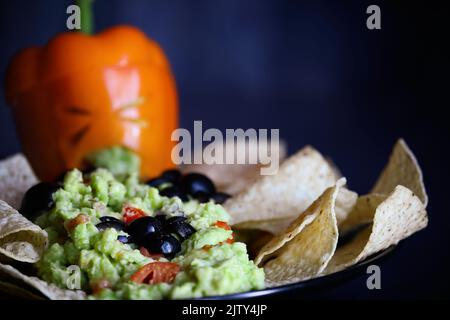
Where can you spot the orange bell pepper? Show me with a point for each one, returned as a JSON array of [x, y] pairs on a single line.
[[81, 93]]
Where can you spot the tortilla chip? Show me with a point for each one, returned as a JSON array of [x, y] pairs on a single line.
[[255, 234], [233, 178], [273, 226], [299, 181], [20, 239], [345, 201], [306, 247], [14, 291], [49, 290], [397, 217], [16, 177], [254, 239], [362, 213], [402, 169], [334, 167]]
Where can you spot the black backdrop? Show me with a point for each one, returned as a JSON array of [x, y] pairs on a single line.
[[313, 70]]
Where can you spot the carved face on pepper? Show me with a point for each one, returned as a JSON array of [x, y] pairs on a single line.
[[79, 94]]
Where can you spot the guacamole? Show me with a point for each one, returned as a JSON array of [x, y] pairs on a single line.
[[207, 264], [119, 160]]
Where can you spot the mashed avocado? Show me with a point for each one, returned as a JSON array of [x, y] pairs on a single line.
[[118, 160], [209, 263]]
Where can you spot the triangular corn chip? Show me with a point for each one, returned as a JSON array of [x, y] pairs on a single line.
[[345, 201], [362, 213], [304, 249], [397, 217], [273, 226], [49, 290], [299, 181], [402, 169], [13, 290], [20, 239], [16, 177]]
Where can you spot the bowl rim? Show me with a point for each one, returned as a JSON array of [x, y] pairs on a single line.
[[310, 283]]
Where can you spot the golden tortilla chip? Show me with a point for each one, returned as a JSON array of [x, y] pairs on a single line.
[[255, 234], [304, 249], [16, 177], [397, 217], [402, 169], [20, 239], [273, 226], [362, 213], [345, 201], [14, 291], [254, 239], [299, 181], [334, 167], [49, 290]]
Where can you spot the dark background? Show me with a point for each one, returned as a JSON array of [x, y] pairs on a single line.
[[313, 70]]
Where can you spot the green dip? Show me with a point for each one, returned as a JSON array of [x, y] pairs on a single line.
[[222, 269], [119, 160]]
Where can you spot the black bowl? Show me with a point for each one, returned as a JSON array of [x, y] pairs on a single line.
[[302, 288]]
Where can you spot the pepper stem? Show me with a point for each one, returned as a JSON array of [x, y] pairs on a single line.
[[87, 17]]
